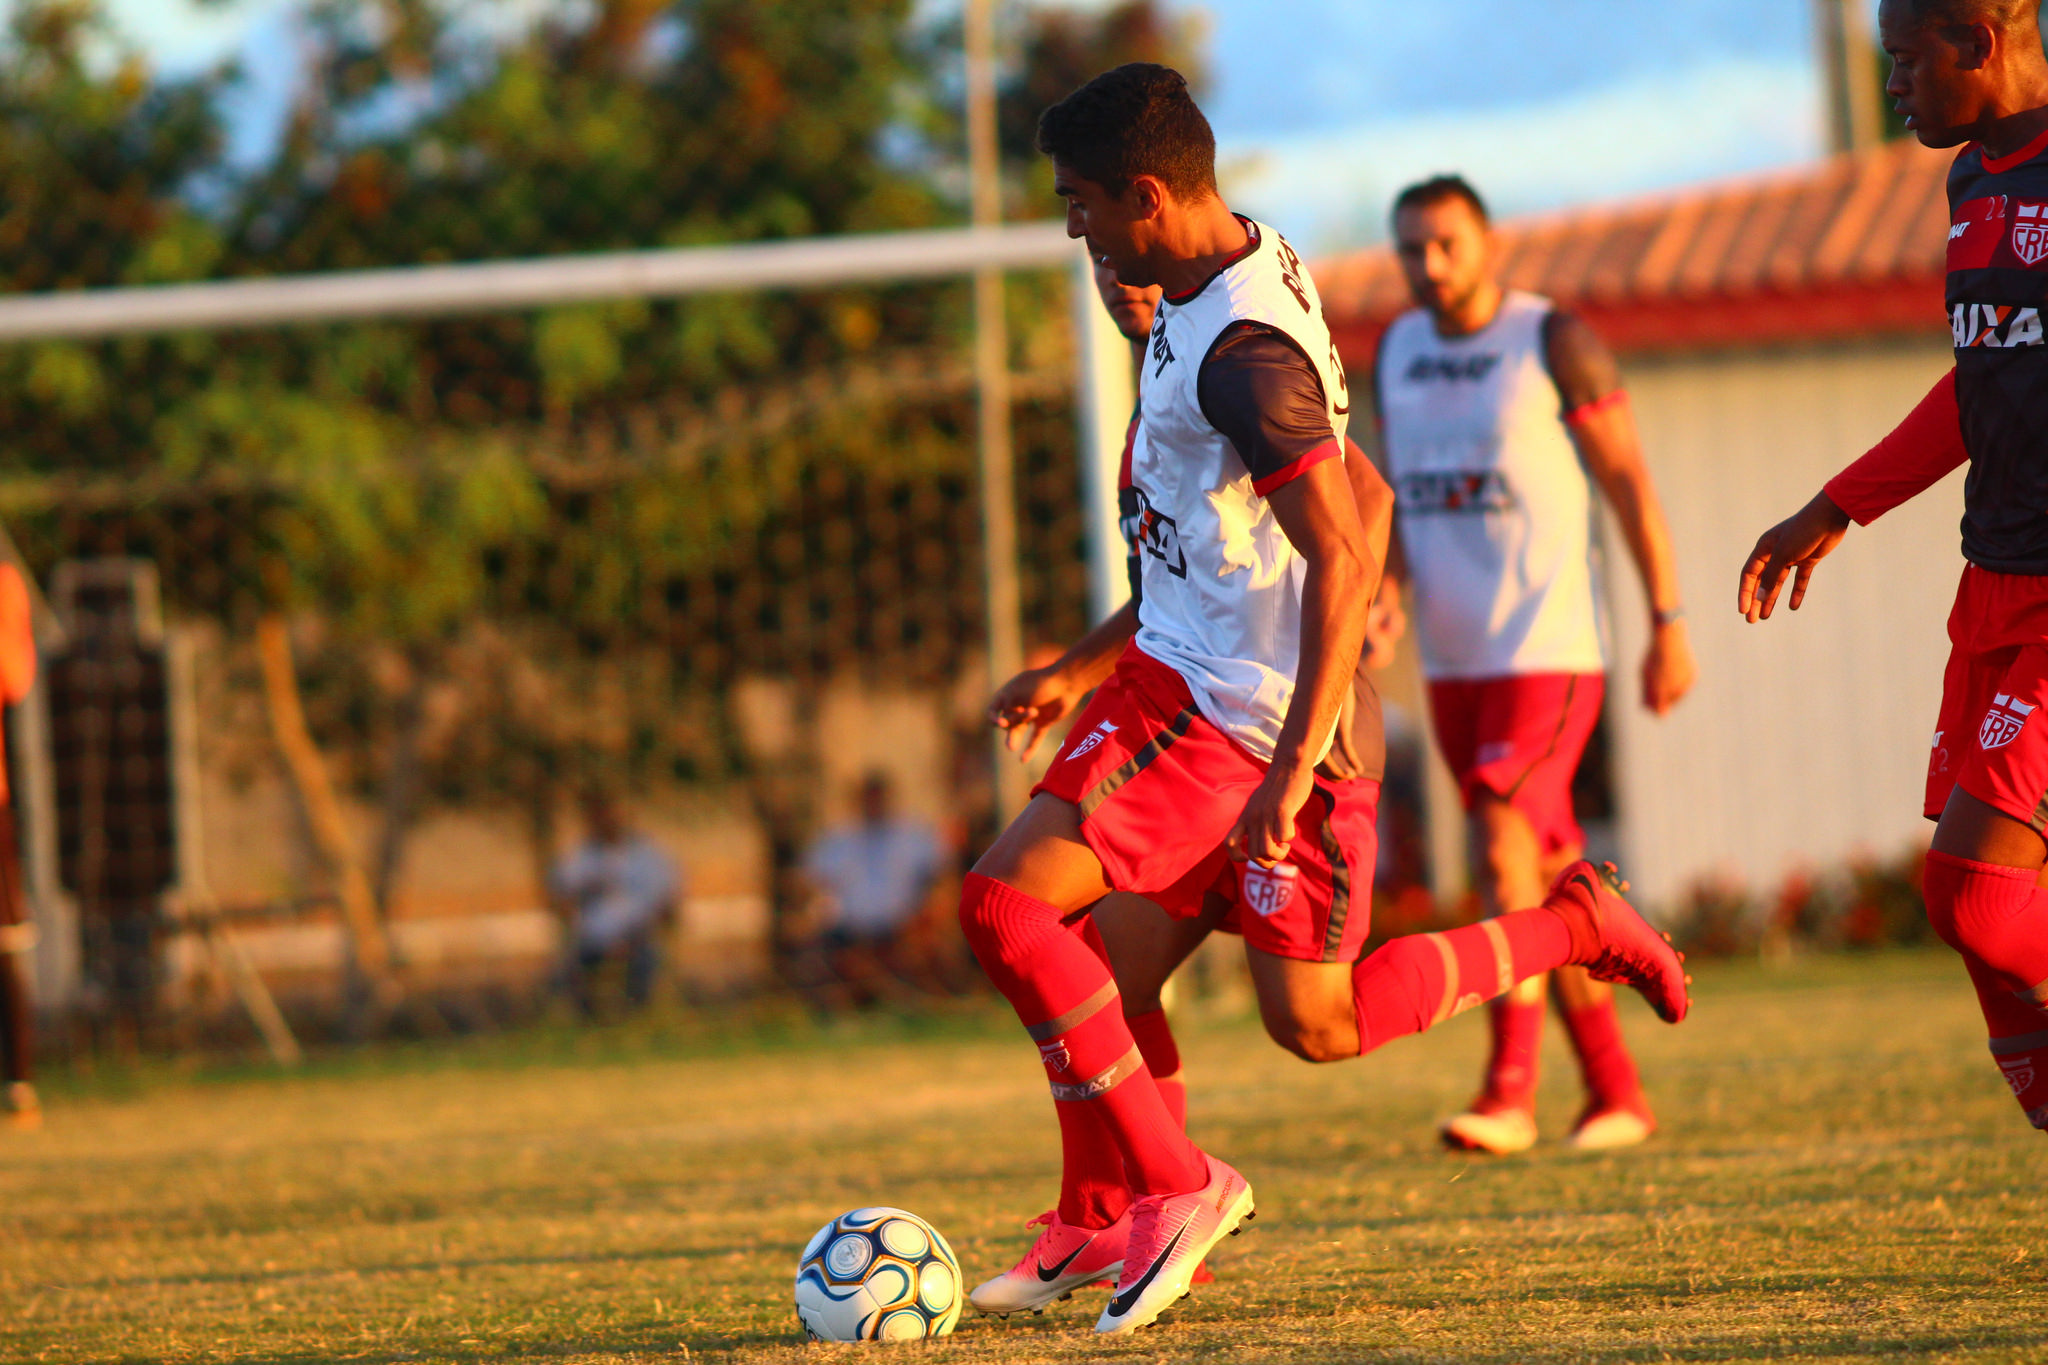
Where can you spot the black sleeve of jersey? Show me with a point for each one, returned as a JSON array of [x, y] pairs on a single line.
[[1578, 360], [1259, 389]]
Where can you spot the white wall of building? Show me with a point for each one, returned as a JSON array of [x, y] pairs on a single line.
[[1806, 740]]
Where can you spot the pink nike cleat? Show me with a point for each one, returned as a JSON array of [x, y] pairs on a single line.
[[1614, 943], [1171, 1235], [1063, 1259]]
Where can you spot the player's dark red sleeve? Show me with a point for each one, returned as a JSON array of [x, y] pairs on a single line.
[[1259, 389], [1587, 377], [1918, 453]]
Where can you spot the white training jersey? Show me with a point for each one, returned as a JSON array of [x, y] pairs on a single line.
[[1494, 508], [1221, 599]]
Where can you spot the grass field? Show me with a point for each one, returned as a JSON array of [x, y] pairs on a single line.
[[1841, 1178]]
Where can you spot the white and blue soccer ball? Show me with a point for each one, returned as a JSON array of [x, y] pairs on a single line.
[[878, 1274]]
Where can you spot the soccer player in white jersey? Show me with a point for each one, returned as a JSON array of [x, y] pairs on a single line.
[[1202, 740], [1494, 408]]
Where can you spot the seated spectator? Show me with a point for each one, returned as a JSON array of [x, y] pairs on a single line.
[[618, 890], [873, 876]]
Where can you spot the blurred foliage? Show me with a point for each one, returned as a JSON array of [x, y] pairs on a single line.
[[1871, 903], [571, 530]]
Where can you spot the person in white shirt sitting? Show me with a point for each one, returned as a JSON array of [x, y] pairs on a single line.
[[617, 890], [873, 877]]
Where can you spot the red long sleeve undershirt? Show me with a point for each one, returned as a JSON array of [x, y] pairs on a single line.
[[1905, 464]]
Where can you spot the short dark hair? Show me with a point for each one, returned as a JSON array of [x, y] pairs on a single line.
[[1440, 189], [1136, 120], [2000, 14]]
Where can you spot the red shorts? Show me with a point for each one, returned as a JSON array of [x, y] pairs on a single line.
[[1158, 786], [1986, 740], [1317, 905], [1159, 789], [1520, 737]]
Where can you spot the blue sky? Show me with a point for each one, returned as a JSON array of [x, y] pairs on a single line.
[[1324, 107]]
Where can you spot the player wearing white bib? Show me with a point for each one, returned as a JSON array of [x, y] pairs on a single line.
[[1203, 737], [1495, 407]]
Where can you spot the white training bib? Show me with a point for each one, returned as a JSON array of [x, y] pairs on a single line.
[[1494, 508], [1222, 583]]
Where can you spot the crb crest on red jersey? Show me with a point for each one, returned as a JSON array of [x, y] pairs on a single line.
[[2003, 723], [2030, 230], [1268, 890], [2019, 1074]]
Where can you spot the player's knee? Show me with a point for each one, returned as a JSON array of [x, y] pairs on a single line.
[[1315, 1036], [1941, 917], [1000, 926], [1139, 1000], [1313, 1042]]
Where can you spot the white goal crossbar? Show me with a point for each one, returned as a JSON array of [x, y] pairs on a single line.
[[1103, 391], [489, 286]]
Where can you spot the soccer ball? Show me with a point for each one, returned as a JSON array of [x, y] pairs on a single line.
[[877, 1274]]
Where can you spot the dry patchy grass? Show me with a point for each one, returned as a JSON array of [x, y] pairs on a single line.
[[1841, 1178]]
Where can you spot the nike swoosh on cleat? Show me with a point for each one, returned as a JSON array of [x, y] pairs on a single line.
[[1048, 1276], [1123, 1302]]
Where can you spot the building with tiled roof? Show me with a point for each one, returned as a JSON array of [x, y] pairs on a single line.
[[1850, 248], [1770, 330]]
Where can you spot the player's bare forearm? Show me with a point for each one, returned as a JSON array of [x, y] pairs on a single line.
[[1384, 621], [1375, 500], [1789, 549], [1320, 516], [1093, 657], [1026, 705], [1613, 454]]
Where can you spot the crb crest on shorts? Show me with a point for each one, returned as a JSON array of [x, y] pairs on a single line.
[[1268, 890], [2003, 722]]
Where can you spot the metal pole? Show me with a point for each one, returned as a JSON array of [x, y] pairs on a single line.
[[1103, 392], [1848, 55], [992, 385]]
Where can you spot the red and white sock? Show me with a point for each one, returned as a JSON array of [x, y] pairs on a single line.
[[1162, 1058], [1420, 980], [1998, 920], [2019, 1039], [1604, 1063], [1511, 1068], [1067, 1000]]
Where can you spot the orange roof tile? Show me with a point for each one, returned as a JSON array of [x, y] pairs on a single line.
[[1847, 248]]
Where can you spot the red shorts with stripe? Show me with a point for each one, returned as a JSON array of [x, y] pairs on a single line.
[[1158, 786], [1520, 737], [1316, 906], [1988, 739]]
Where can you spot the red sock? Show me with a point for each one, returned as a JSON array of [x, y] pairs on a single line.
[[1420, 980], [1994, 914], [1604, 1064], [2019, 1039], [1094, 1192], [1065, 997], [1517, 1042], [1162, 1058]]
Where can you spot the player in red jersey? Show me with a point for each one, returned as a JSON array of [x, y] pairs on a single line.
[[1972, 73], [1499, 416], [1204, 734]]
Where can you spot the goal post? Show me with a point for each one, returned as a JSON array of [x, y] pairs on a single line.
[[1102, 381]]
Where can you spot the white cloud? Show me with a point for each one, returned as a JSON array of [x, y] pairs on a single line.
[[1330, 189]]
